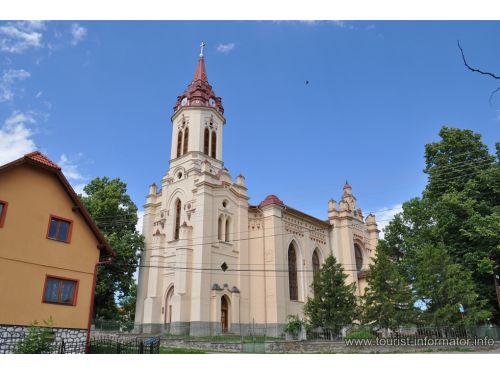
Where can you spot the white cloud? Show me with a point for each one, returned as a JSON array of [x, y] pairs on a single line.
[[78, 188], [140, 221], [39, 94], [78, 33], [17, 37], [8, 80], [385, 215], [70, 169], [16, 137], [225, 48]]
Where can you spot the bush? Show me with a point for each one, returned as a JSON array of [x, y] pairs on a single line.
[[361, 334], [38, 339], [293, 325]]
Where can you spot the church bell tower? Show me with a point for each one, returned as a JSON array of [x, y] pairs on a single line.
[[197, 121]]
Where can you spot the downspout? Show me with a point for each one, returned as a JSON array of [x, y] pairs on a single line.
[[107, 261]]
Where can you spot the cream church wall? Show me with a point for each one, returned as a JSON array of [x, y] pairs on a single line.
[[255, 284]]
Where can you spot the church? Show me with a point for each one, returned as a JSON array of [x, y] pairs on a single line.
[[213, 263]]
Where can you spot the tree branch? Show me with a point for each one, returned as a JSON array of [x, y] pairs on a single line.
[[493, 94], [476, 70]]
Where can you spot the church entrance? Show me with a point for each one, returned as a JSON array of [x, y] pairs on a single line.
[[224, 314]]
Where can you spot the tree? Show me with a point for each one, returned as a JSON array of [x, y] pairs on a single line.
[[446, 289], [127, 304], [334, 303], [116, 216], [459, 212], [388, 301]]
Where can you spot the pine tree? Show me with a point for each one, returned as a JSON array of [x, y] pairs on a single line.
[[334, 303], [388, 301]]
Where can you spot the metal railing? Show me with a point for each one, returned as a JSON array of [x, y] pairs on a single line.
[[121, 345], [261, 333]]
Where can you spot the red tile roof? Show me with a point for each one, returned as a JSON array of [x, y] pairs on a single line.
[[271, 199], [41, 158]]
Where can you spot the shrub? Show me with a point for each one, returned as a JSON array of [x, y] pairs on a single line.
[[293, 325], [38, 339]]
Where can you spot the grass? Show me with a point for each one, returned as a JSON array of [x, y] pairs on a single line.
[[224, 338], [164, 350]]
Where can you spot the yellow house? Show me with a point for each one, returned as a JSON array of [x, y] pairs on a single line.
[[49, 251]]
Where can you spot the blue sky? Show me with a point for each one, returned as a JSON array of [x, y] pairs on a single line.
[[97, 97]]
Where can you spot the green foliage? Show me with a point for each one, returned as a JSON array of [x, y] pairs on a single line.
[[388, 301], [446, 287], [293, 325], [116, 216], [127, 305], [455, 223], [334, 303], [38, 339], [360, 334]]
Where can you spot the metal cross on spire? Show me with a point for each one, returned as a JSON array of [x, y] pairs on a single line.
[[202, 45]]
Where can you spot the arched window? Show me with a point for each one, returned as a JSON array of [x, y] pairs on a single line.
[[214, 144], [359, 257], [315, 263], [177, 219], [206, 141], [228, 224], [292, 273], [179, 143], [186, 141], [219, 229]]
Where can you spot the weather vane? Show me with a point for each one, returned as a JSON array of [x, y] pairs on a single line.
[[202, 45]]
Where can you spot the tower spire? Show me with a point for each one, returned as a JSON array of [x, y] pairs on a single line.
[[201, 74]]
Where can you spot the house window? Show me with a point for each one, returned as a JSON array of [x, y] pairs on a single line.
[[292, 273], [61, 291], [3, 212], [60, 229]]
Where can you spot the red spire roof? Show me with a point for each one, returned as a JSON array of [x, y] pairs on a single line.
[[199, 93], [200, 74]]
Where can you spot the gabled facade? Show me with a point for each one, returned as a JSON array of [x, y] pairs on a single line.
[[213, 262], [49, 248]]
